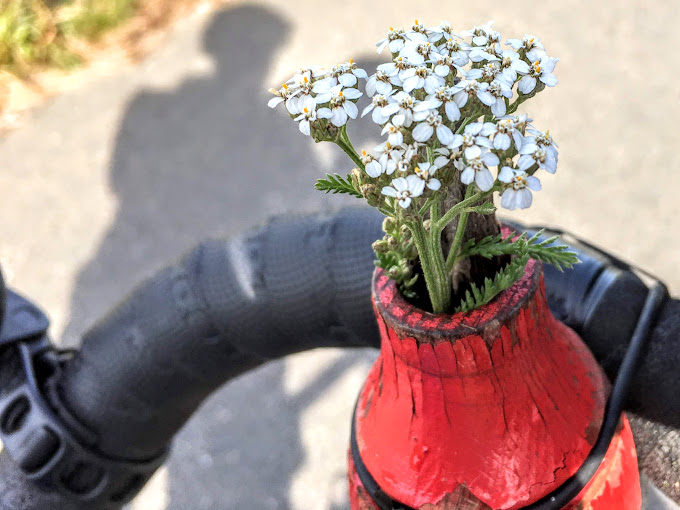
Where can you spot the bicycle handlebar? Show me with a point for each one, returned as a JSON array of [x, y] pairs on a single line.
[[292, 285]]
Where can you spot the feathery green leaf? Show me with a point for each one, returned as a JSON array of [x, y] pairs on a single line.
[[337, 184]]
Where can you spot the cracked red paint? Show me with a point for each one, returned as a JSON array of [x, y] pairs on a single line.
[[500, 402]]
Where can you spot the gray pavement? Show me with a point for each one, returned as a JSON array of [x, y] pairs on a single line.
[[107, 183]]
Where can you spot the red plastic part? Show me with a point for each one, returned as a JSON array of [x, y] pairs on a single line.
[[494, 408]]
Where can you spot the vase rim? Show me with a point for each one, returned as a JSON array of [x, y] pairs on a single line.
[[427, 327]]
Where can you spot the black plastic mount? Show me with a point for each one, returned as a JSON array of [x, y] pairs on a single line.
[[34, 435]]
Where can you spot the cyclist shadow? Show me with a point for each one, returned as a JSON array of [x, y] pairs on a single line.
[[207, 158]]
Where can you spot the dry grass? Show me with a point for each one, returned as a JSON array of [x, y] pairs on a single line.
[[46, 48]]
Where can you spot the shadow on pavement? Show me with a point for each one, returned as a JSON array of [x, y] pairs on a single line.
[[211, 158]]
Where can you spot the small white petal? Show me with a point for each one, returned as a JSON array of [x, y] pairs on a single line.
[[467, 176], [452, 111], [549, 79], [456, 142], [485, 97], [444, 134], [498, 108], [525, 162], [422, 132], [473, 152], [484, 179], [526, 84], [374, 169], [534, 183], [367, 110], [411, 83], [508, 199], [396, 45], [524, 198], [501, 142], [371, 86], [351, 109], [528, 147], [379, 116], [434, 184], [442, 70], [389, 191], [506, 174], [441, 161], [339, 117], [405, 202], [274, 102], [490, 159], [383, 87], [360, 73], [347, 79], [304, 127], [351, 93]]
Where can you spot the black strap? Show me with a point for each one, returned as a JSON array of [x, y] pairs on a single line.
[[572, 486]]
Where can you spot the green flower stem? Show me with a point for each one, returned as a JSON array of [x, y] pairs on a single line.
[[457, 209], [460, 231], [432, 262], [345, 144]]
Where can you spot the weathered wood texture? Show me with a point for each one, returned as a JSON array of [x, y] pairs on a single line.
[[491, 409]]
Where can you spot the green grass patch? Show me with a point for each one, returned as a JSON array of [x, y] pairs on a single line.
[[34, 34]]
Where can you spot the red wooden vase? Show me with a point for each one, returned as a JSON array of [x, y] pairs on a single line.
[[491, 409]]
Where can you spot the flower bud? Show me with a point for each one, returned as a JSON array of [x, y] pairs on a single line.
[[427, 224], [392, 243], [356, 178], [380, 246], [370, 193], [405, 232], [388, 224], [395, 272]]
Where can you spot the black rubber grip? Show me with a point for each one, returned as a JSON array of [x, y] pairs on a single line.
[[226, 307]]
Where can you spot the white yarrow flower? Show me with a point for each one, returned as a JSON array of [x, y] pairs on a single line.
[[433, 123], [518, 194], [531, 154], [457, 50], [477, 171], [395, 40], [308, 115], [404, 189], [407, 103], [341, 107], [425, 171], [421, 77], [512, 65], [382, 108], [379, 82], [480, 34], [539, 70], [530, 44], [394, 134], [504, 132], [417, 53]]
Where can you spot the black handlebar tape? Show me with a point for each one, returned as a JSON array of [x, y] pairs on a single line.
[[224, 308]]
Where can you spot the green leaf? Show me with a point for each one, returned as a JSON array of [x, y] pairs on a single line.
[[336, 184], [476, 297], [485, 208], [545, 251]]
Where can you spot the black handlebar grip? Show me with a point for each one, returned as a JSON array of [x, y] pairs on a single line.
[[225, 308]]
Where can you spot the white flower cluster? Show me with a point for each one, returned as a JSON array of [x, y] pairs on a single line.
[[430, 107], [315, 93], [446, 103]]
